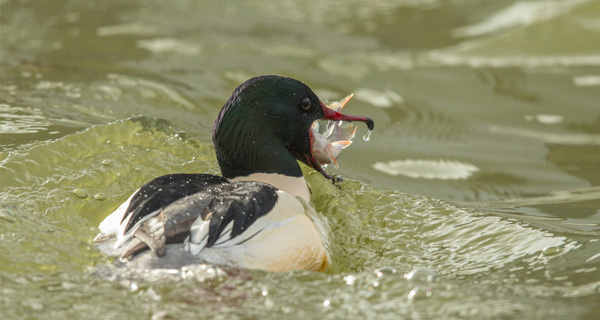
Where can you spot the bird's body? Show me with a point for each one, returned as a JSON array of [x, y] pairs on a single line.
[[257, 215]]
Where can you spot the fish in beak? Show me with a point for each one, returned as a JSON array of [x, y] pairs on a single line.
[[327, 145]]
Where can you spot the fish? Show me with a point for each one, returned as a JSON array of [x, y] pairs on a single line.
[[327, 144], [339, 105]]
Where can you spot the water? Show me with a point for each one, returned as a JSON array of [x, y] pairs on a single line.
[[367, 136], [477, 195]]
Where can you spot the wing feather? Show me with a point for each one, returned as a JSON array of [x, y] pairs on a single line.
[[164, 190], [214, 216], [241, 205]]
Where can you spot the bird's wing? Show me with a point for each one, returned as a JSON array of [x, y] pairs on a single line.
[[212, 217], [163, 191], [231, 214]]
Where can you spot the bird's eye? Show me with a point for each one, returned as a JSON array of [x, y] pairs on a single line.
[[306, 104]]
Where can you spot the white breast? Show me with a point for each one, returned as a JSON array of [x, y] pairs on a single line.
[[291, 237]]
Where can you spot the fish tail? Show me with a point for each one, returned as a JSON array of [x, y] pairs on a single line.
[[333, 160], [340, 144]]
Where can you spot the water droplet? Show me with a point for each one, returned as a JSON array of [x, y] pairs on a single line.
[[349, 279], [384, 271], [550, 251], [6, 215], [326, 303], [264, 293], [421, 275], [80, 193], [420, 292], [106, 162], [269, 303], [367, 136], [100, 196]]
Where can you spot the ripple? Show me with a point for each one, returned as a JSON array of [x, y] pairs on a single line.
[[146, 88], [550, 137], [428, 169], [21, 120], [379, 98], [170, 45], [545, 118], [587, 81], [518, 14], [134, 28]]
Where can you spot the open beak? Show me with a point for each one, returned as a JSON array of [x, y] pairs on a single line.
[[331, 114]]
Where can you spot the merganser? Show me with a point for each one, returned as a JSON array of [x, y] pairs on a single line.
[[257, 215]]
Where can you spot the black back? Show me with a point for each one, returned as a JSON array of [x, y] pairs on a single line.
[[164, 190]]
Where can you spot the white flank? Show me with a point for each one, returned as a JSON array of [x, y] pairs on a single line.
[[110, 225]]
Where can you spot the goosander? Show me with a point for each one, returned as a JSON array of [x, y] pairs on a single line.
[[257, 215]]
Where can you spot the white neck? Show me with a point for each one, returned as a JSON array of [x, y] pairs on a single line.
[[295, 186]]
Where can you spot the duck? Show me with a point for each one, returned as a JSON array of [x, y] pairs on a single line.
[[257, 215]]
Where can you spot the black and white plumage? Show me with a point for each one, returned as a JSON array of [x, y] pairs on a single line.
[[258, 214], [210, 212]]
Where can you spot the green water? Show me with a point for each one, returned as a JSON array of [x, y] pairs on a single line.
[[477, 196]]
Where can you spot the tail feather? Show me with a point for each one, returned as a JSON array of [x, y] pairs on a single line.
[[150, 234]]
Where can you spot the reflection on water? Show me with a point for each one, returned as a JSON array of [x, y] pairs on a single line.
[[133, 29], [587, 80], [21, 120], [169, 46], [381, 99], [517, 15], [491, 104], [428, 169]]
